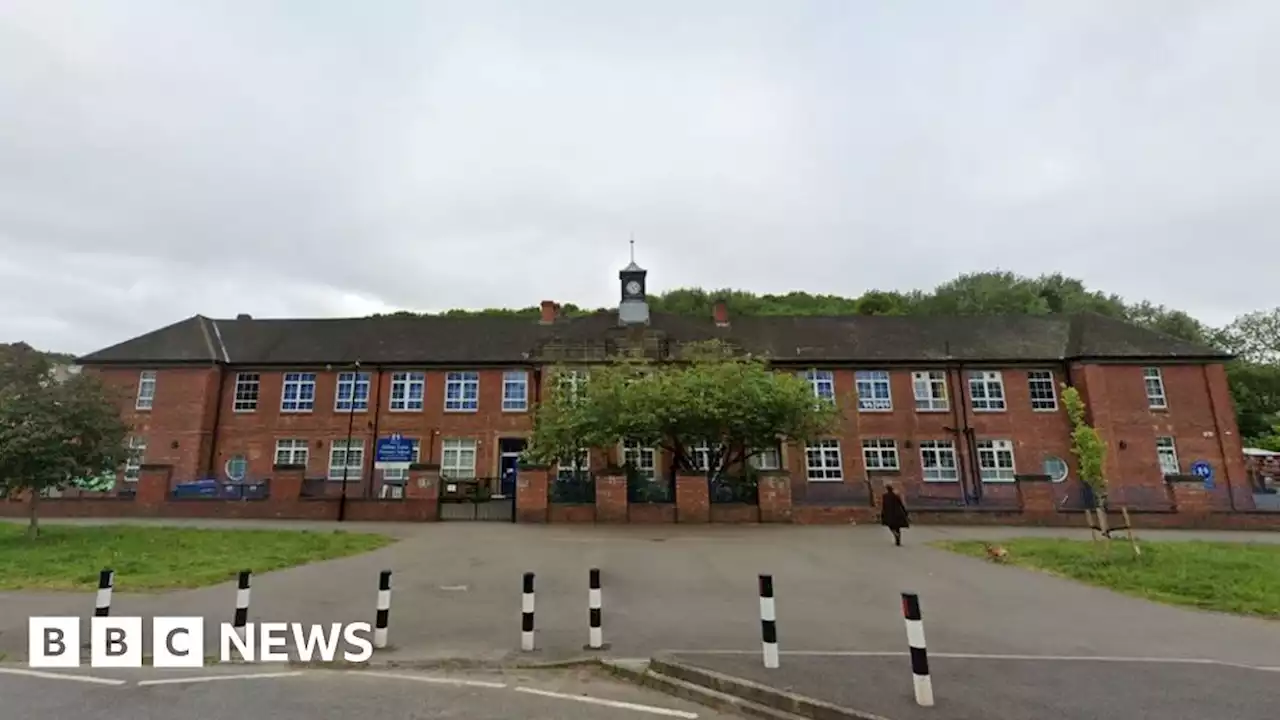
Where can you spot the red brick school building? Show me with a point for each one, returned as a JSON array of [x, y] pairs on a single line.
[[964, 413]]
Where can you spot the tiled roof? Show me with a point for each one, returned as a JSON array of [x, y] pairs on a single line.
[[484, 339]]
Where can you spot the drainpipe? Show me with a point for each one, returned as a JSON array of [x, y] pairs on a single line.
[[970, 439], [376, 398], [217, 418], [956, 398]]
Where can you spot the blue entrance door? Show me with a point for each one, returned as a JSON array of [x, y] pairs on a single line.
[[509, 450]]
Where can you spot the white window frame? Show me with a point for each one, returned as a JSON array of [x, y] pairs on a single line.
[[453, 453], [930, 390], [1036, 381], [830, 461], [133, 462], [294, 451], [995, 461], [299, 381], [146, 390], [880, 454], [456, 386], [248, 391], [347, 451], [936, 471], [644, 460], [823, 383], [1056, 477], [346, 392], [1153, 381], [869, 382], [511, 380], [986, 391], [571, 382], [1167, 456], [769, 458], [226, 468], [403, 398], [565, 471], [400, 475]]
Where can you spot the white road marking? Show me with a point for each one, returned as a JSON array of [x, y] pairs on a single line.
[[985, 656], [611, 703], [215, 678], [429, 679], [59, 676]]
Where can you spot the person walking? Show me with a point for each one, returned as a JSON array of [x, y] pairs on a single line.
[[893, 513]]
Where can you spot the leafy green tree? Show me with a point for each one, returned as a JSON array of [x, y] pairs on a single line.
[[1087, 445], [1254, 337], [51, 432], [735, 405]]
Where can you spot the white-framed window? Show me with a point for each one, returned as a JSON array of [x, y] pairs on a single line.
[[515, 391], [995, 460], [571, 382], [133, 463], [644, 460], [822, 461], [1044, 396], [1154, 380], [462, 391], [458, 458], [348, 458], [930, 389], [823, 383], [351, 385], [986, 390], [938, 461], [291, 451], [399, 475], [1167, 454], [298, 394], [570, 468], [880, 453], [1056, 468], [874, 392], [769, 458], [407, 391], [237, 467], [247, 388], [146, 390]]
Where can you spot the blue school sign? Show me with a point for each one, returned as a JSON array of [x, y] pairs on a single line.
[[1204, 471], [394, 449]]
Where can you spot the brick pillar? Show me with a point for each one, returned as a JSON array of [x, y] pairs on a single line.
[[153, 484], [1035, 494], [286, 482], [532, 485], [693, 499], [1189, 495], [775, 497], [611, 498], [423, 482]]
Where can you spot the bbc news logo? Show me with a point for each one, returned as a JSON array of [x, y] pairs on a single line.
[[179, 642]]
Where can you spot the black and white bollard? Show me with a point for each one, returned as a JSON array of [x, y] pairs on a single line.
[[919, 657], [384, 610], [242, 604], [595, 633], [526, 614], [102, 604], [768, 622]]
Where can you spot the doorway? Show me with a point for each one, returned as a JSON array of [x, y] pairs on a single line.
[[509, 451]]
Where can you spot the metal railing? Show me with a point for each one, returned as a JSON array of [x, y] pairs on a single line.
[[578, 488], [730, 489]]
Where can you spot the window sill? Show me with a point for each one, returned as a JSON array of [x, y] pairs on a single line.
[[404, 410], [1163, 408], [143, 409], [1045, 410], [296, 412], [999, 481], [462, 410], [825, 480], [515, 410], [240, 411], [884, 471], [939, 480], [989, 410], [875, 410], [933, 410]]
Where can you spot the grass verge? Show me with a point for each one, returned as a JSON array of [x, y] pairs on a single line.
[[1241, 578], [69, 557]]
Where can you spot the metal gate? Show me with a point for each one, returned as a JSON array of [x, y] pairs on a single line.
[[476, 499]]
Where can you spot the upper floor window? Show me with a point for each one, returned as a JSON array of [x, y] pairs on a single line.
[[986, 390], [407, 391], [352, 388], [995, 460], [462, 391], [823, 461], [938, 461], [298, 393], [930, 388], [823, 383], [146, 390], [571, 382], [1154, 381], [1167, 454], [247, 388], [515, 391], [1043, 395], [874, 390]]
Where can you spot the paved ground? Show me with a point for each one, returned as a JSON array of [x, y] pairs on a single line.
[[1008, 689], [457, 594], [228, 694]]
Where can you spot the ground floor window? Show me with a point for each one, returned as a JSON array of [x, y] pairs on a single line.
[[995, 460], [458, 458], [822, 461], [346, 459], [642, 460], [938, 461]]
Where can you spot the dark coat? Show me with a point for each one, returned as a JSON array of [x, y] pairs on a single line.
[[893, 514]]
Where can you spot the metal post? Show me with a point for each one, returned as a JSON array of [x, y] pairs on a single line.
[[106, 581], [595, 633], [384, 610], [768, 622], [526, 614], [919, 656], [242, 604], [346, 453]]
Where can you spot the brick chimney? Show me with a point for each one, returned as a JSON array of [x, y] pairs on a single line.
[[549, 311], [722, 315]]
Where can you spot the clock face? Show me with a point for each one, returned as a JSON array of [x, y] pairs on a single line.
[[633, 288]]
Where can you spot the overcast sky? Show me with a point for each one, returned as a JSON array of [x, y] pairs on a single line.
[[162, 159]]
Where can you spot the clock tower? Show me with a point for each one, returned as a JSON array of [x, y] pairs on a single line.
[[634, 309]]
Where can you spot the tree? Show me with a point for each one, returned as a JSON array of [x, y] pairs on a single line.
[[1254, 337], [53, 433], [1087, 445], [734, 405]]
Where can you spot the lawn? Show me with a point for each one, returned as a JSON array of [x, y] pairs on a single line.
[[69, 557], [1242, 578]]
